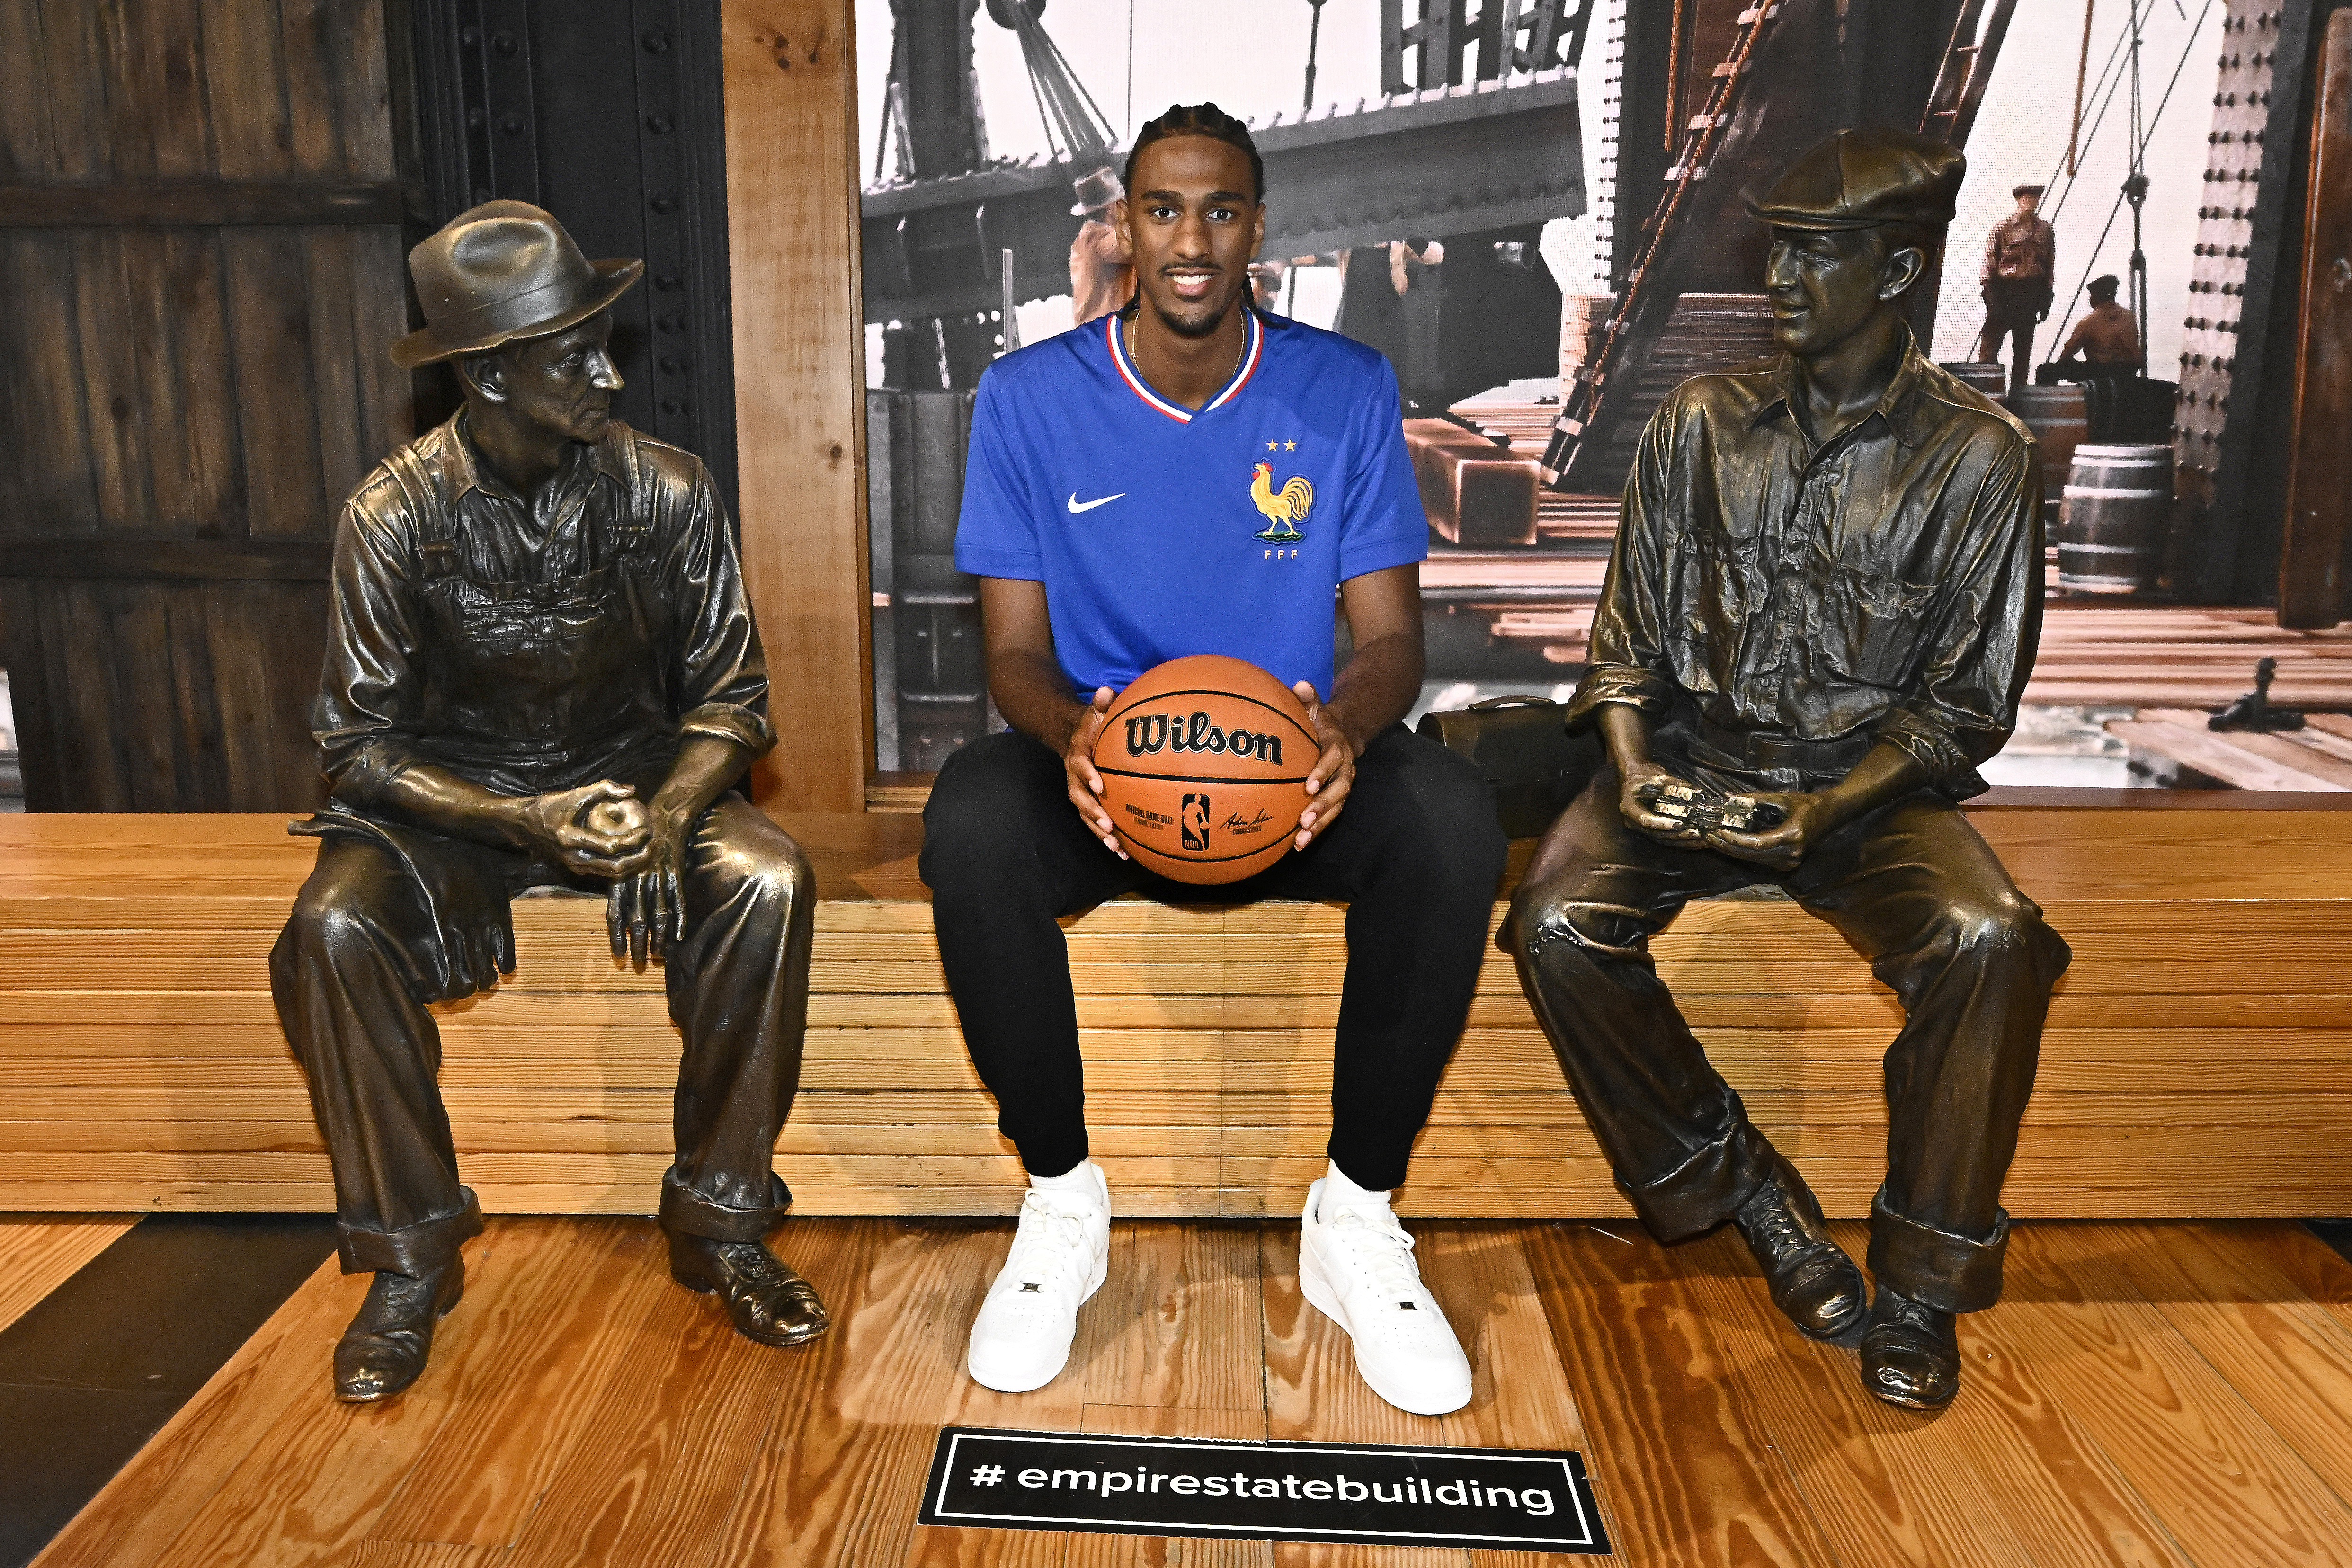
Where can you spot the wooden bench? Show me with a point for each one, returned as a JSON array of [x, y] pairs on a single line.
[[2199, 1061]]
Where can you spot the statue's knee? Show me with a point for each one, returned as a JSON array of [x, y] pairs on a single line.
[[1546, 921], [328, 917], [774, 875], [2004, 925]]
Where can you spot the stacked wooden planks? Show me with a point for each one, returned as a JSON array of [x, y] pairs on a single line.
[[2197, 1061], [2316, 757], [1587, 522]]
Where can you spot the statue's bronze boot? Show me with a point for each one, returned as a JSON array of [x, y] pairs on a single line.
[[1812, 1279], [767, 1300], [1910, 1354], [385, 1348]]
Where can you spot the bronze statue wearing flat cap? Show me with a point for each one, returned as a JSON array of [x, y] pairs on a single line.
[[541, 673], [1822, 607]]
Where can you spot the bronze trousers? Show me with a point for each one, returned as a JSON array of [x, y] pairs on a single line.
[[1919, 894], [350, 978]]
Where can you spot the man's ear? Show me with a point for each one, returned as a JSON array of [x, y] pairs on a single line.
[[1903, 269], [485, 374]]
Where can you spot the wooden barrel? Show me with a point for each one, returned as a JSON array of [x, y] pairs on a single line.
[[2111, 536], [2059, 420], [1988, 376]]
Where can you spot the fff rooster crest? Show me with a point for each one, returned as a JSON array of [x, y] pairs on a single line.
[[1285, 508]]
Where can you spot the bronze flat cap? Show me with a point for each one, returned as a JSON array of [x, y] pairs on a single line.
[[501, 271], [1858, 179]]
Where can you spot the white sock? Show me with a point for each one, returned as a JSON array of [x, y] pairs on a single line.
[[1340, 1192], [1078, 1178]]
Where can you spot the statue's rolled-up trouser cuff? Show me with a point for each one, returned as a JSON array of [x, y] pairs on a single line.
[[686, 1211], [1934, 1268], [416, 1250], [1708, 1188]]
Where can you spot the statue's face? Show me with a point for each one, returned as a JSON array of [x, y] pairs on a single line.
[[560, 385], [1192, 223], [1825, 285]]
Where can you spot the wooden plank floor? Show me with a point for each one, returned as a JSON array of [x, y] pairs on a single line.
[[2146, 1395], [38, 1252]]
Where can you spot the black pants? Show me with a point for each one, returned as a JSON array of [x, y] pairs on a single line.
[[345, 978], [1416, 854], [2014, 308], [1924, 898]]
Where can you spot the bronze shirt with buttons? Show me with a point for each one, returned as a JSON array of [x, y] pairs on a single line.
[[532, 646], [1885, 585]]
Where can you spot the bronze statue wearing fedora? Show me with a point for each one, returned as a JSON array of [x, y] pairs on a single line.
[[1822, 607], [542, 671]]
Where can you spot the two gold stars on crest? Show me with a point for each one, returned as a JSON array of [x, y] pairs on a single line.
[[1284, 446]]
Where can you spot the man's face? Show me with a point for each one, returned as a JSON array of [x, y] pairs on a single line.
[[1192, 223], [561, 385], [1825, 285], [2029, 202]]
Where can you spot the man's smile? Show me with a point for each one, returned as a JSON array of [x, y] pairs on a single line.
[[1190, 281]]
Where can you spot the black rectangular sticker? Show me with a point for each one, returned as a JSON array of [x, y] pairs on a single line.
[[1376, 1494]]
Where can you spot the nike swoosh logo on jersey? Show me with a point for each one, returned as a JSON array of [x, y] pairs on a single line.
[[1077, 506]]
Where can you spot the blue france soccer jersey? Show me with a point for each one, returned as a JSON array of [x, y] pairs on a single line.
[[1160, 531]]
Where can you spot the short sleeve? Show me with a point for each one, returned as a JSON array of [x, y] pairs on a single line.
[[1380, 523], [996, 533]]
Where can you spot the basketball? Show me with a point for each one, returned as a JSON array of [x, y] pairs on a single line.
[[1204, 763]]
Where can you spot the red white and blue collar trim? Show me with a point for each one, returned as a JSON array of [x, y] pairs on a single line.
[[1251, 350]]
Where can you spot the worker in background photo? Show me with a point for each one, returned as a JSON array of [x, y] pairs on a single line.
[[1102, 273], [2021, 259], [2107, 337], [1413, 264]]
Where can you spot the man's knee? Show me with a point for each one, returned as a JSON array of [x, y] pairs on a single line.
[[976, 824], [349, 905], [1563, 918], [2001, 925], [1439, 819], [760, 862]]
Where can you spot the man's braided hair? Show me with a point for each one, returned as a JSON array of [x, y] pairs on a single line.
[[1199, 119]]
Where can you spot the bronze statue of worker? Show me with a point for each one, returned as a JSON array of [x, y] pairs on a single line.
[[542, 671], [1822, 607]]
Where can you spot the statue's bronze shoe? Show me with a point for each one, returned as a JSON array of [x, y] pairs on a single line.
[[385, 1348], [1812, 1279], [1910, 1354], [767, 1300]]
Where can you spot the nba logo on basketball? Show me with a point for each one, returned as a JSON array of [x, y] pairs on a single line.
[[1196, 822]]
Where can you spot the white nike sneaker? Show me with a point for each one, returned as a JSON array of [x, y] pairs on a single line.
[[1022, 1338], [1358, 1271]]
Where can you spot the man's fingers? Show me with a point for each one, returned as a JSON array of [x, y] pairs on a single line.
[[641, 916], [1324, 808], [677, 891], [616, 919]]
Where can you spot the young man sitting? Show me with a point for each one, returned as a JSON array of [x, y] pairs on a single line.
[[1107, 509]]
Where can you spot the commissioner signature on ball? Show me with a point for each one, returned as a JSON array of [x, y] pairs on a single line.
[[1235, 824]]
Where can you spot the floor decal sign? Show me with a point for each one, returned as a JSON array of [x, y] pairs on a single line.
[[1375, 1494]]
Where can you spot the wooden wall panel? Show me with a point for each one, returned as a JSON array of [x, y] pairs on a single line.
[[791, 200], [186, 381]]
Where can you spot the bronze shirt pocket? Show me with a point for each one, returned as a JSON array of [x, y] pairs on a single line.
[[1879, 625]]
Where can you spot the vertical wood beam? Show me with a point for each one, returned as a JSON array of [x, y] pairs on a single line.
[[791, 217]]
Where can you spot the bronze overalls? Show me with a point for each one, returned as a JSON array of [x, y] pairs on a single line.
[[530, 686]]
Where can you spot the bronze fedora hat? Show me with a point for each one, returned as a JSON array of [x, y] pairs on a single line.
[[501, 271]]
